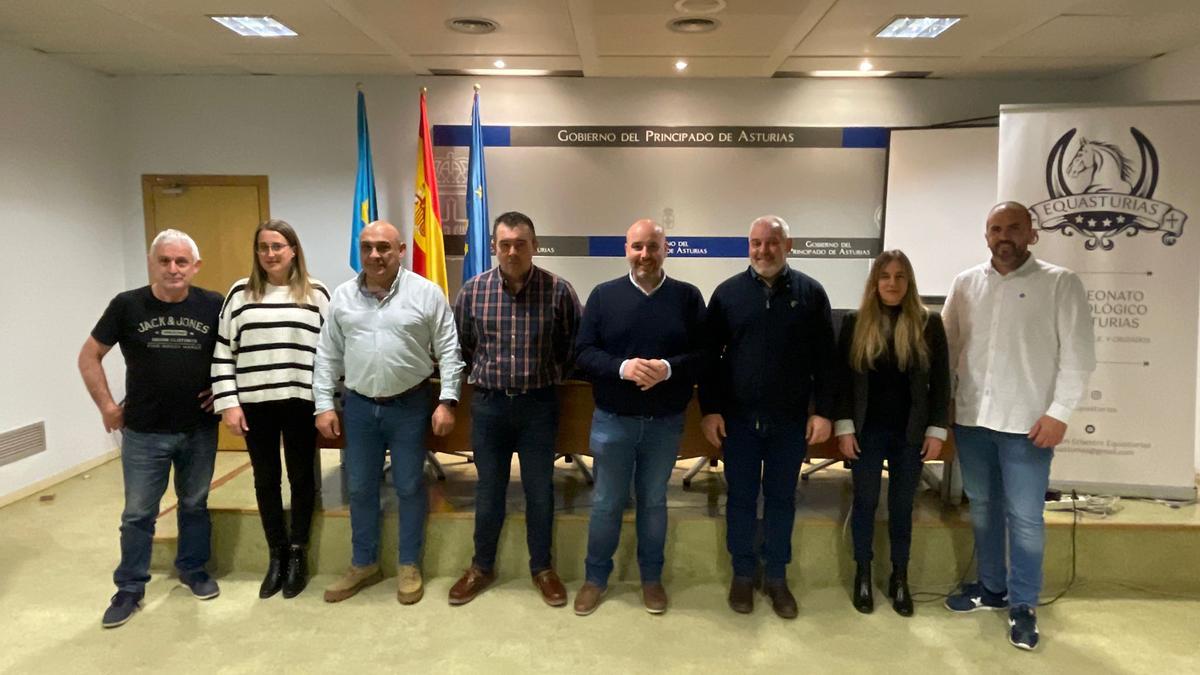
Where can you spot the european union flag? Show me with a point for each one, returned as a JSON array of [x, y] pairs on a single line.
[[476, 254], [365, 209]]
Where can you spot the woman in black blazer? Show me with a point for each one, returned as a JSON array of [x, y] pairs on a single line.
[[892, 403]]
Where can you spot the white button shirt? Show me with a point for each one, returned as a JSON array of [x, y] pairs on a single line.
[[1021, 345], [385, 347]]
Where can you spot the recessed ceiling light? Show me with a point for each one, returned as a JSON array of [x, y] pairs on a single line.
[[472, 25], [865, 65], [499, 63], [849, 73], [681, 65], [699, 6], [254, 26], [693, 24], [915, 27]]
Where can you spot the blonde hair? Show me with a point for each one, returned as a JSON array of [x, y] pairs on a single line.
[[873, 329], [298, 281]]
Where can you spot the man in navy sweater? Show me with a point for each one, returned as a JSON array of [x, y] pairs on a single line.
[[770, 351], [640, 344]]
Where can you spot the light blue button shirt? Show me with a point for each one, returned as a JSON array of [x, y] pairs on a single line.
[[385, 347]]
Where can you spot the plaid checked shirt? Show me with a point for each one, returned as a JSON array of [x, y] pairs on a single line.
[[523, 341]]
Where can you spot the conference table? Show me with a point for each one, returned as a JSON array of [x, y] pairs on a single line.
[[574, 425]]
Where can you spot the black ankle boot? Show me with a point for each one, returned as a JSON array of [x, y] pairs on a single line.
[[898, 591], [297, 571], [864, 599], [274, 579]]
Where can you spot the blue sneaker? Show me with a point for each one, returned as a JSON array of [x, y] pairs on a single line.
[[203, 586], [1022, 628], [121, 608], [974, 597]]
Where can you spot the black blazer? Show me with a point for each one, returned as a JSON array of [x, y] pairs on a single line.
[[929, 388]]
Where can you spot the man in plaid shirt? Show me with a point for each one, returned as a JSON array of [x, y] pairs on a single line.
[[517, 325]]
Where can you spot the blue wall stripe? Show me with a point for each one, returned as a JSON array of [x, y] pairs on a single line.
[[460, 135], [865, 137]]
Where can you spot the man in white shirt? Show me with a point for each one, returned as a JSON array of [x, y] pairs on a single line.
[[384, 331], [1021, 350]]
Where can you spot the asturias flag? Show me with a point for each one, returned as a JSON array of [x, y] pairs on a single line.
[[429, 252], [476, 254], [365, 209]]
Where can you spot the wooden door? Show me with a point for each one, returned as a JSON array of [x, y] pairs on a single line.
[[221, 214]]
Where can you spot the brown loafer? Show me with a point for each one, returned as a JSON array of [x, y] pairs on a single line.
[[588, 599], [551, 587], [654, 596], [782, 600], [470, 584], [741, 595]]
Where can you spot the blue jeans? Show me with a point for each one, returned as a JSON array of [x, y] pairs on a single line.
[[1005, 476], [501, 425], [371, 430], [766, 455], [146, 461], [641, 451]]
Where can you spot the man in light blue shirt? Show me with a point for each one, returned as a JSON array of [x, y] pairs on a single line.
[[385, 331]]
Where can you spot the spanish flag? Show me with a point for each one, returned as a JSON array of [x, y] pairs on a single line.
[[429, 253]]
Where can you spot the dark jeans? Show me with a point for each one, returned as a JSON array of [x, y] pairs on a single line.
[[500, 425], [904, 475], [372, 429], [762, 455], [146, 460], [293, 418]]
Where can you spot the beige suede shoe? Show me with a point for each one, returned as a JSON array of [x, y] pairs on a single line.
[[355, 579], [409, 589]]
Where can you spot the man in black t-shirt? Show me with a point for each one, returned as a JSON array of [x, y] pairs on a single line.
[[166, 332]]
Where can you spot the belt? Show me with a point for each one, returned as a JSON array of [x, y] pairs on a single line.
[[510, 392], [384, 400]]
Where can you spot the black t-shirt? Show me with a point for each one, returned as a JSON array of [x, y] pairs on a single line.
[[168, 350]]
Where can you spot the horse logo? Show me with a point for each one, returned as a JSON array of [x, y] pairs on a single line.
[[1102, 191], [1107, 168]]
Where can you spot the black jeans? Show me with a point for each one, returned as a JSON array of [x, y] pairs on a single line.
[[904, 475], [764, 456], [500, 425], [293, 418]]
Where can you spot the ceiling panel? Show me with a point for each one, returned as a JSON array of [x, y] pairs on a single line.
[[640, 29], [849, 27], [1106, 36], [135, 63], [323, 64], [526, 27]]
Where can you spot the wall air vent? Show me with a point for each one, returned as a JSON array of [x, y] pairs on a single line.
[[17, 444]]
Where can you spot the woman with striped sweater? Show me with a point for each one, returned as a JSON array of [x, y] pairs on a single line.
[[262, 384]]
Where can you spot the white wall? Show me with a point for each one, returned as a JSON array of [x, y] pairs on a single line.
[[300, 131], [61, 256], [1170, 77]]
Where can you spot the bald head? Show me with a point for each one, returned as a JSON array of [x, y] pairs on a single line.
[[645, 249], [380, 250], [381, 229], [1011, 209]]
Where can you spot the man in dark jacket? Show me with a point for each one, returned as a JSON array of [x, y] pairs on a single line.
[[770, 352]]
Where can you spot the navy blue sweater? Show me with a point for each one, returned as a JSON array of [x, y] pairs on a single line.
[[621, 322], [769, 354]]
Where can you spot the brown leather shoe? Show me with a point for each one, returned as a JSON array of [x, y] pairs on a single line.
[[741, 595], [551, 587], [470, 584], [588, 599], [654, 597], [782, 600]]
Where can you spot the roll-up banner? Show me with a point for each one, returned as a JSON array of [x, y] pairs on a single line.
[[1112, 190]]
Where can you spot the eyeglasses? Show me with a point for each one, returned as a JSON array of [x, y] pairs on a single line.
[[272, 248]]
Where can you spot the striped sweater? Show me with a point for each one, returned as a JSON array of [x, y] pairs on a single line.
[[265, 349]]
